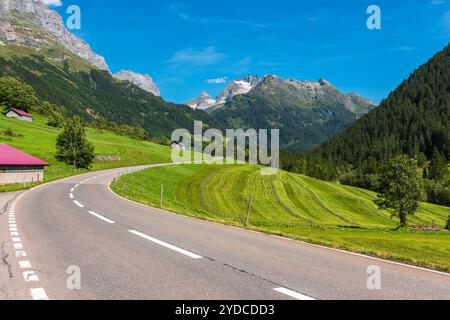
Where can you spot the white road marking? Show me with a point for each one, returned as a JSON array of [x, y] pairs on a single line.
[[71, 196], [38, 294], [166, 245], [72, 190], [16, 239], [101, 217], [25, 264], [13, 225], [364, 256], [293, 294], [30, 276], [14, 234], [18, 246], [21, 254], [13, 229], [78, 204], [76, 186]]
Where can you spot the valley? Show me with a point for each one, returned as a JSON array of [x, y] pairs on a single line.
[[357, 191], [39, 139], [293, 206]]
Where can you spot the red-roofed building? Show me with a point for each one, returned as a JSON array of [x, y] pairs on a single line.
[[19, 114], [19, 167]]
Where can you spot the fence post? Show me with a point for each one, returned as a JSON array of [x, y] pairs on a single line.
[[124, 186], [161, 197], [249, 210]]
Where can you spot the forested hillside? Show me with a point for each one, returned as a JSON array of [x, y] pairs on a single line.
[[59, 78], [413, 120]]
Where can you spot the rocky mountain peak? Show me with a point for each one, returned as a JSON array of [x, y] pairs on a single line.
[[144, 81], [31, 23], [234, 88], [203, 102]]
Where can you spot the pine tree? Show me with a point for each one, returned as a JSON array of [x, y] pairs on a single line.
[[438, 167]]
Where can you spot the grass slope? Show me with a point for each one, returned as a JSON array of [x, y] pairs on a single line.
[[39, 140], [295, 206]]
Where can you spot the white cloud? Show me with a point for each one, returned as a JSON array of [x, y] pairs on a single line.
[[53, 3], [177, 10], [446, 21], [203, 57], [217, 81]]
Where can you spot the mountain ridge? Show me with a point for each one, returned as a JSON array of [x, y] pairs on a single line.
[[414, 119], [307, 112]]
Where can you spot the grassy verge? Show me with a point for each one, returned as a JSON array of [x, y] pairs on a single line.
[[39, 140], [294, 206]]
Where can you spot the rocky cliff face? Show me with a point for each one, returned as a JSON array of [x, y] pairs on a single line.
[[144, 81], [31, 23]]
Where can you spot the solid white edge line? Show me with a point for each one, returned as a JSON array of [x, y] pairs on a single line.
[[166, 245], [101, 217], [293, 294], [284, 238], [360, 255], [38, 294], [78, 204]]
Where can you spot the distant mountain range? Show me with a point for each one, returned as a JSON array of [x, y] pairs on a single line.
[[36, 48], [307, 112], [236, 87]]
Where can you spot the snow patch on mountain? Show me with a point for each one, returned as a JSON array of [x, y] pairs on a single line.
[[234, 88]]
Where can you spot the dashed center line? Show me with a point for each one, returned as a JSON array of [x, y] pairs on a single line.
[[293, 294], [166, 245], [101, 217], [38, 294], [78, 204]]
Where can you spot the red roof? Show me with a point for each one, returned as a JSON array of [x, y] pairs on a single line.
[[22, 113], [10, 156]]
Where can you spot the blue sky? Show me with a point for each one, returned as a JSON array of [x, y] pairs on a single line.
[[191, 46]]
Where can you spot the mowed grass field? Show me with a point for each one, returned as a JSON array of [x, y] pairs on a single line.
[[39, 140], [294, 206]]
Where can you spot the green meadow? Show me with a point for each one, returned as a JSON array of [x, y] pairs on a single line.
[[294, 206], [39, 140]]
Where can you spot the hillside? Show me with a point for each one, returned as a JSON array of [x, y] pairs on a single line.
[[295, 206], [413, 120], [60, 78], [39, 140], [37, 48], [307, 113]]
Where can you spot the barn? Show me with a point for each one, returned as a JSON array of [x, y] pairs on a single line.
[[19, 114], [19, 167]]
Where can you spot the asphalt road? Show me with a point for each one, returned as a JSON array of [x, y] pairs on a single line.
[[75, 239]]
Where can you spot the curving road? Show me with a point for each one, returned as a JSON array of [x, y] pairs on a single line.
[[127, 251]]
